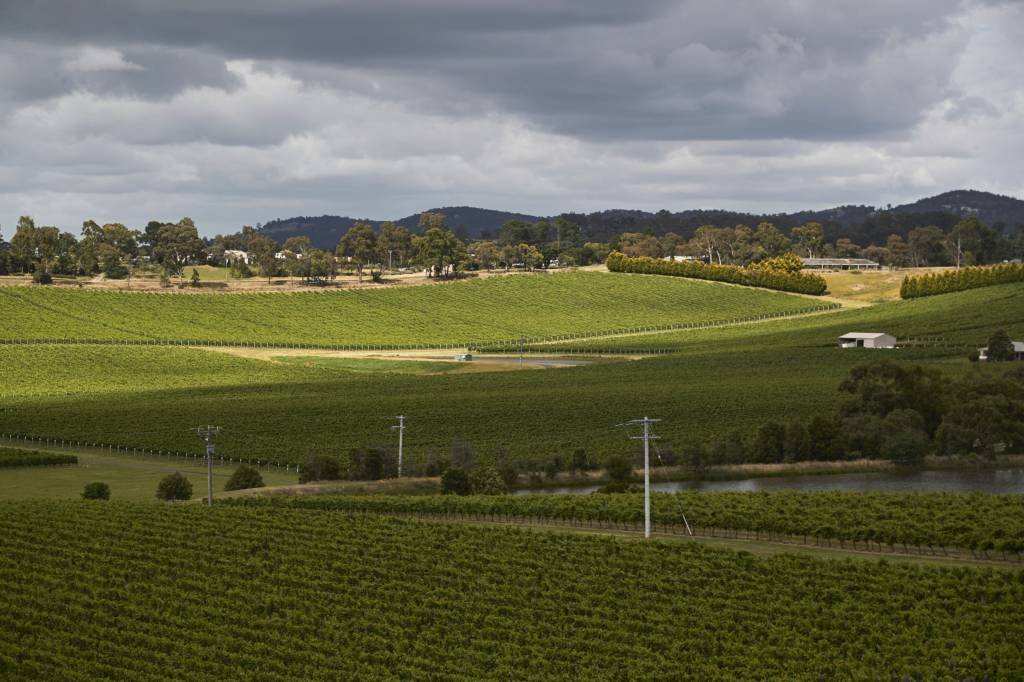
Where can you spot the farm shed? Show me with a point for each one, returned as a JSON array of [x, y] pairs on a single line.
[[839, 264], [1018, 351], [867, 340]]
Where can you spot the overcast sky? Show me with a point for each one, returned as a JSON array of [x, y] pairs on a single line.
[[240, 111]]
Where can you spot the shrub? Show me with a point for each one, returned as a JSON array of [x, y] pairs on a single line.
[[904, 440], [194, 279], [174, 487], [619, 467], [1000, 347], [509, 474], [42, 277], [485, 480], [769, 443], [788, 263], [96, 491], [27, 458], [319, 468], [245, 477], [455, 481], [765, 276]]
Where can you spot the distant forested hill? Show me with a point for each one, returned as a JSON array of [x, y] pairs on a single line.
[[325, 231], [862, 224]]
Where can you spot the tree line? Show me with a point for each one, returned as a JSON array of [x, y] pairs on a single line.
[[169, 247], [968, 242], [893, 412]]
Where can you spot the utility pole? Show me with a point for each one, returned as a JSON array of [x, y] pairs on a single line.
[[647, 437], [400, 427], [207, 433]]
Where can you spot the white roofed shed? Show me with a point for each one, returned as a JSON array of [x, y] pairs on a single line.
[[867, 340]]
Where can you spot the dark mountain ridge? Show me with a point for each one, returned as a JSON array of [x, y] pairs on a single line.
[[862, 224]]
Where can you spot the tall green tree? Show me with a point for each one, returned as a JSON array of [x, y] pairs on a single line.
[[1000, 347], [296, 251], [177, 245], [360, 245], [809, 238], [769, 242], [395, 244], [440, 251], [263, 250], [927, 246]]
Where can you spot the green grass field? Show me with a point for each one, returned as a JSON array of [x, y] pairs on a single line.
[[495, 308], [373, 366], [140, 591], [129, 477]]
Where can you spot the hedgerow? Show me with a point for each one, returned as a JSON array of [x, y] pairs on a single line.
[[10, 457], [933, 283], [780, 280]]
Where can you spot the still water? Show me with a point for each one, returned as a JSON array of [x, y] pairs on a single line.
[[956, 481]]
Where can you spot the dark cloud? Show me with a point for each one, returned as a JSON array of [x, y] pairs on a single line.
[[242, 110], [600, 68]]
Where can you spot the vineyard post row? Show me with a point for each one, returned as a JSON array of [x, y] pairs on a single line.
[[637, 526], [113, 449]]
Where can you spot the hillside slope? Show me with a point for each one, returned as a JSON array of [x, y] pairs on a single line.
[[458, 313], [720, 380]]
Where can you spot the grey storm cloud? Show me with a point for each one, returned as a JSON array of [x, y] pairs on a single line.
[[643, 70], [240, 110]]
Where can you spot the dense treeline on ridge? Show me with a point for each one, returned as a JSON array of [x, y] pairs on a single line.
[[432, 245]]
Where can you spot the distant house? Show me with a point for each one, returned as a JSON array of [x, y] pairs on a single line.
[[867, 340], [680, 259], [235, 256], [1018, 351], [839, 264]]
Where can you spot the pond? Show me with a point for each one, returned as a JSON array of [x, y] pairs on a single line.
[[1001, 481]]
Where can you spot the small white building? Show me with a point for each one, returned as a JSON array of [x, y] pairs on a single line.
[[680, 259], [1018, 351], [867, 340], [235, 256]]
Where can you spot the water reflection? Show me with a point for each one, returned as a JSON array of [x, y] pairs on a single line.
[[957, 481]]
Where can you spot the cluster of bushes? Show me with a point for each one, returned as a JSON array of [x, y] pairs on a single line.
[[893, 412], [775, 274], [930, 284], [460, 471], [32, 458]]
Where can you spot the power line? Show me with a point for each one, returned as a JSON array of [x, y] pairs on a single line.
[[400, 427], [646, 437], [208, 433]]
